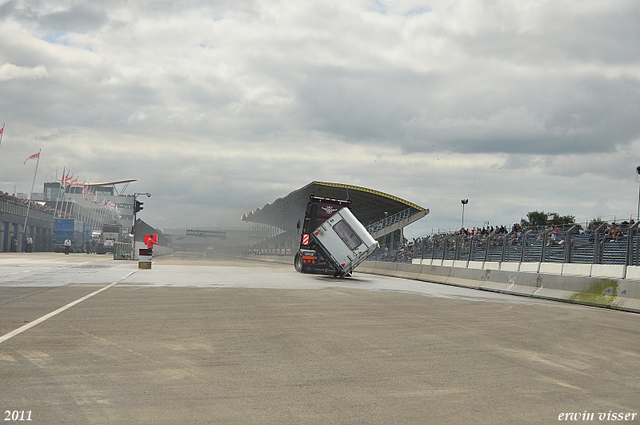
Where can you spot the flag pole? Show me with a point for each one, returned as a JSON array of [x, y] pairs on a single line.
[[1, 133], [29, 203], [58, 195]]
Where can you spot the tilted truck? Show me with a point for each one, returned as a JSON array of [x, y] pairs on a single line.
[[333, 241], [76, 231]]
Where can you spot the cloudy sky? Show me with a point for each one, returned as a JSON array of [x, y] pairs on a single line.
[[218, 107]]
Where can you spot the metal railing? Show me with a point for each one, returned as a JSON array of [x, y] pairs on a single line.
[[21, 210], [605, 244], [388, 221], [122, 251]]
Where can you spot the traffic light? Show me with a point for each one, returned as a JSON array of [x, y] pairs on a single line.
[[138, 207]]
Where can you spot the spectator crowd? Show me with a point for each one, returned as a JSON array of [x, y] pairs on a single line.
[[609, 232]]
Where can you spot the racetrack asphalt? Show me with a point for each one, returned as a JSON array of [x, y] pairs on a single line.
[[232, 341]]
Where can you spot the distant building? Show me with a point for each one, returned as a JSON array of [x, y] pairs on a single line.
[[93, 203], [201, 239], [13, 214]]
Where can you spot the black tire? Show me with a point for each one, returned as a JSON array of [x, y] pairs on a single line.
[[297, 262]]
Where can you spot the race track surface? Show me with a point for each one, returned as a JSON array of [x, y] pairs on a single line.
[[85, 339]]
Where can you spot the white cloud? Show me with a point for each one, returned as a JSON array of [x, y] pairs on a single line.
[[515, 105], [10, 71]]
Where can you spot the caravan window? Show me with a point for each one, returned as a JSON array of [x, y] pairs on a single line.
[[347, 235]]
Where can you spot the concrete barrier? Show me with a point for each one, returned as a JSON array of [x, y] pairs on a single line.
[[366, 267], [633, 273], [496, 281], [510, 267], [628, 295], [522, 283], [529, 267], [387, 268], [607, 270], [469, 278], [475, 265], [491, 265], [551, 268], [460, 263], [573, 269], [434, 272], [409, 271], [566, 288], [609, 291]]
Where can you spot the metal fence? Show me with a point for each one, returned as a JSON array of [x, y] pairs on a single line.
[[605, 244], [21, 210], [122, 251]]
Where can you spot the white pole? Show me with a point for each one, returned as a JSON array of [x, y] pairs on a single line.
[[58, 194], [1, 134]]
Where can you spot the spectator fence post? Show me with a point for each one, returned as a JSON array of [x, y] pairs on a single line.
[[597, 244], [472, 247], [504, 247], [434, 248], [487, 247], [568, 244], [544, 251], [525, 245], [631, 259]]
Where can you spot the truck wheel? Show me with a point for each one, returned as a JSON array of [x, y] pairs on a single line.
[[297, 262]]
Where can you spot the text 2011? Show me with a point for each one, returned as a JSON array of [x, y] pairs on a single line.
[[17, 415]]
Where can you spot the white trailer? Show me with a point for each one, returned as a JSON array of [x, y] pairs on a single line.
[[344, 241]]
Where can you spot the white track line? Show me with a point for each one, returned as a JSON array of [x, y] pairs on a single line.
[[58, 311]]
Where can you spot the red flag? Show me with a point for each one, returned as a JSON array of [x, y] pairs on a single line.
[[151, 238], [1, 130], [35, 155]]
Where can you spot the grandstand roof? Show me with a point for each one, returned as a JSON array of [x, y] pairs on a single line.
[[110, 183], [368, 205]]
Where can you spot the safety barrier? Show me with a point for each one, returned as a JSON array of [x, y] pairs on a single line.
[[122, 251], [600, 285]]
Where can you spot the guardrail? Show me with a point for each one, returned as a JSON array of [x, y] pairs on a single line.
[[391, 220], [122, 251]]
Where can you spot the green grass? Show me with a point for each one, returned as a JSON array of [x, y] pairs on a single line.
[[597, 293]]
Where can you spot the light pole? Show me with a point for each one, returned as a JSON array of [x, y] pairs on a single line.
[[137, 206], [465, 202], [638, 173]]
